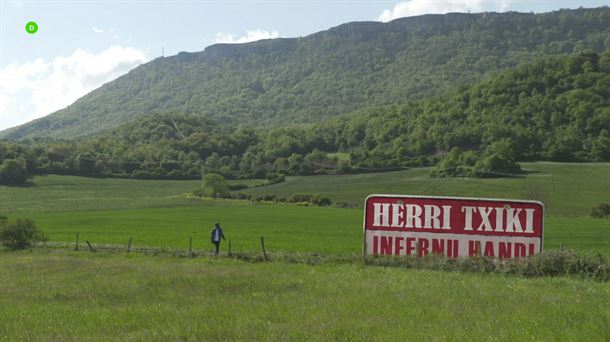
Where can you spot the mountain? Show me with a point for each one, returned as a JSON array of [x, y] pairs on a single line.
[[344, 69], [556, 108]]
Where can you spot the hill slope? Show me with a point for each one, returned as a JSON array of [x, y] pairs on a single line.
[[333, 72], [557, 108]]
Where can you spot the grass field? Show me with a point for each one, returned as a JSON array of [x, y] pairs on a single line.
[[50, 295], [156, 213], [55, 193], [58, 294], [568, 190], [285, 228]]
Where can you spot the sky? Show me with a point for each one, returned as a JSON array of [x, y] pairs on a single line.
[[82, 44]]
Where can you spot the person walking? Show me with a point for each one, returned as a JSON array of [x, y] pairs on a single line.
[[217, 234]]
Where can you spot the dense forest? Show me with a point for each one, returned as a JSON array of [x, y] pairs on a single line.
[[345, 69], [556, 108]]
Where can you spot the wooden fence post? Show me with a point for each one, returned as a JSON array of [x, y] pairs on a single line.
[[263, 245], [76, 248], [91, 247], [129, 245]]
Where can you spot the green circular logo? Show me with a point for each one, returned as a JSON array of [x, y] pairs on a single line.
[[31, 27]]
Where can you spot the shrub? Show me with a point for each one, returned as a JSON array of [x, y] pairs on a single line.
[[142, 174], [497, 160], [242, 196], [13, 171], [21, 234], [215, 185], [344, 205], [299, 197], [269, 198], [265, 198], [310, 198], [549, 263], [322, 201], [235, 187], [496, 165], [198, 192], [456, 163], [601, 211], [274, 178]]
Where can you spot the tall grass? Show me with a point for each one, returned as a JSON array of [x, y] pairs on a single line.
[[58, 296], [551, 263]]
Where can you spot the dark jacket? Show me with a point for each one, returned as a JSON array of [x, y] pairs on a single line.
[[220, 234]]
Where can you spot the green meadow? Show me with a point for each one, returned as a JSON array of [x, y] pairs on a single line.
[[54, 193], [567, 189], [285, 227], [56, 293], [65, 296], [161, 214]]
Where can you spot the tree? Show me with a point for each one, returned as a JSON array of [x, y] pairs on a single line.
[[600, 149], [498, 158], [85, 164], [215, 185], [13, 171], [456, 163]]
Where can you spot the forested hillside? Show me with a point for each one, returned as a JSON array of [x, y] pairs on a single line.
[[556, 109], [345, 69]]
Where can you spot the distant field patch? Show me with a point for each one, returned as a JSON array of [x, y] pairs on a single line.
[[54, 193], [566, 189]]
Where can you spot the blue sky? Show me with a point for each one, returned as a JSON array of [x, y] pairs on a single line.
[[82, 44]]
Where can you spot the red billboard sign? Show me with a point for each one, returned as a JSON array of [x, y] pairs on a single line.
[[452, 226]]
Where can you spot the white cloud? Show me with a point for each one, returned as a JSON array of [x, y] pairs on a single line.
[[250, 36], [106, 31], [34, 89], [504, 5], [419, 7]]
